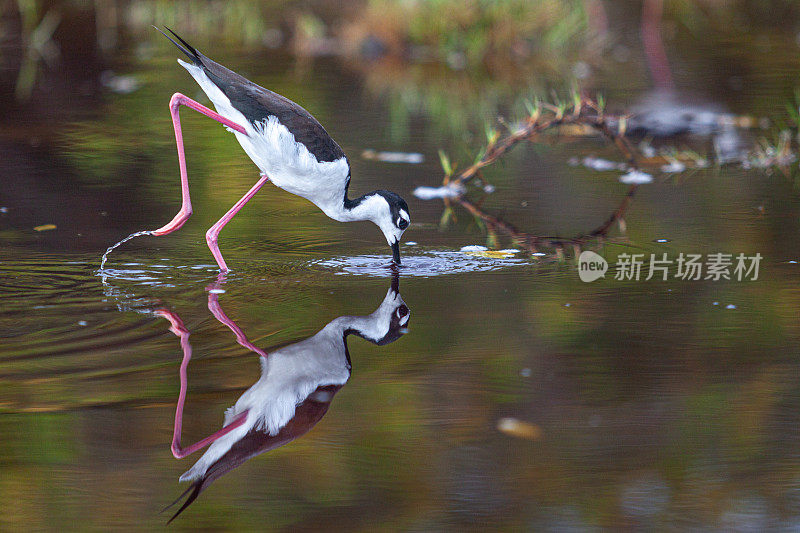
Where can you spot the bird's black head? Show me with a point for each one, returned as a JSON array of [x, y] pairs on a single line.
[[394, 222]]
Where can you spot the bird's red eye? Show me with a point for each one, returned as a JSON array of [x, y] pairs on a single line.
[[402, 223]]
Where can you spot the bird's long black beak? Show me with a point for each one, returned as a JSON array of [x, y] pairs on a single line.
[[396, 253]]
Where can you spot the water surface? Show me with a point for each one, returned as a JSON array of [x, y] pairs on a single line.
[[634, 404]]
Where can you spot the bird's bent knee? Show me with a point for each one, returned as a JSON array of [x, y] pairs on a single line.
[[176, 100]]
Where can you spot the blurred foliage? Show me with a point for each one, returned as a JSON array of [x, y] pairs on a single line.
[[239, 21], [473, 33]]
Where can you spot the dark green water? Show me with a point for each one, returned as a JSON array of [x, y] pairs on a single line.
[[642, 405]]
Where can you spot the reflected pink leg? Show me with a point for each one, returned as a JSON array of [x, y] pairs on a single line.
[[219, 314], [177, 327], [213, 231], [175, 102], [654, 45]]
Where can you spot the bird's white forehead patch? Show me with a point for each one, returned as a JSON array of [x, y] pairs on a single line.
[[404, 215]]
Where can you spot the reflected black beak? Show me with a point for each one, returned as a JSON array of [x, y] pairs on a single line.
[[396, 253]]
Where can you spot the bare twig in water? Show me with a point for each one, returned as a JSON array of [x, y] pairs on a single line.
[[580, 112], [543, 117]]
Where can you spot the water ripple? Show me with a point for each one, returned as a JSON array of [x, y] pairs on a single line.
[[425, 264]]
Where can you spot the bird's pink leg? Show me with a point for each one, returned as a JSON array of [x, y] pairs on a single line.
[[177, 327], [213, 232], [175, 102]]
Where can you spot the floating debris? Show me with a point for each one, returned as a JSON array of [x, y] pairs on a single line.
[[730, 306], [483, 251], [119, 84], [647, 149], [3, 210], [413, 158], [636, 177], [494, 254], [673, 166], [596, 163], [411, 243], [662, 241], [518, 428], [82, 323], [45, 227], [445, 191], [715, 303], [217, 291]]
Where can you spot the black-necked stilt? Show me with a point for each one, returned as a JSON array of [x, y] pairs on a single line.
[[294, 391], [289, 146]]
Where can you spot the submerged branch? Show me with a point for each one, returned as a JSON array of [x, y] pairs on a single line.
[[534, 243]]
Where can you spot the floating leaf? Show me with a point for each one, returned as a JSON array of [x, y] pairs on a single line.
[[490, 254], [45, 227], [518, 428]]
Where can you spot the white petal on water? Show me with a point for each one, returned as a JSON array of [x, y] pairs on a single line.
[[445, 191], [394, 157], [674, 166], [636, 177], [599, 164], [473, 248]]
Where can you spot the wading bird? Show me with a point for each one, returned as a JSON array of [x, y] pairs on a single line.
[[288, 145]]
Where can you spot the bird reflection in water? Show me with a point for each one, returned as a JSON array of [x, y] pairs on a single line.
[[294, 391]]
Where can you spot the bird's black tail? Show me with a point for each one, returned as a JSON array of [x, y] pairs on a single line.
[[196, 488], [189, 50]]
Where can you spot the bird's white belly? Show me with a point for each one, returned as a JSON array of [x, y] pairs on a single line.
[[290, 166], [287, 163]]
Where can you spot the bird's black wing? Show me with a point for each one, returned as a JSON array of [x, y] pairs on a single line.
[[257, 103], [256, 442]]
